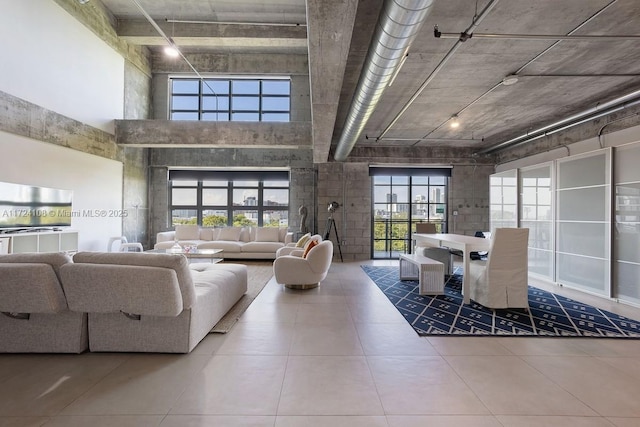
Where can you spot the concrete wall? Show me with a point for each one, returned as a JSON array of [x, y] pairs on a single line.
[[137, 106], [350, 185]]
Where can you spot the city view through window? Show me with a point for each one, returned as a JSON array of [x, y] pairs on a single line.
[[400, 202], [218, 203]]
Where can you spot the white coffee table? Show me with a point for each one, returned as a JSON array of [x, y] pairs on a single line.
[[214, 255]]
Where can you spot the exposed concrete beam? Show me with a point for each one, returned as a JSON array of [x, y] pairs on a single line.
[[330, 26], [24, 118], [171, 133], [141, 32], [241, 63]]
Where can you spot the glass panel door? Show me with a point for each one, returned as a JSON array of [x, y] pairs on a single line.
[[536, 214], [584, 222], [626, 242], [399, 203]]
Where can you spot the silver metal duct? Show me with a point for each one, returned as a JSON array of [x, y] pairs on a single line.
[[399, 23]]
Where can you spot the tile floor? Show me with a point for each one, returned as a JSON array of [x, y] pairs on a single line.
[[336, 356]]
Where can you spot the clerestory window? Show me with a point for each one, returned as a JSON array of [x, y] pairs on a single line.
[[230, 99]]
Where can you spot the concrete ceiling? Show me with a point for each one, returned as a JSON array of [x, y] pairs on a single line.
[[555, 79]]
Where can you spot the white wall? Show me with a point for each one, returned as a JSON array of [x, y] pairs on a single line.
[[96, 183], [52, 60]]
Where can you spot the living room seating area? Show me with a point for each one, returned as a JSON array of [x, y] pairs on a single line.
[[235, 242], [112, 302]]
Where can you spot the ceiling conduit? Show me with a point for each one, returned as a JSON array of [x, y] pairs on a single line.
[[605, 109], [397, 27]]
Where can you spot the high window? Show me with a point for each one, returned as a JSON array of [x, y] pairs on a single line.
[[220, 198], [401, 199], [224, 100]]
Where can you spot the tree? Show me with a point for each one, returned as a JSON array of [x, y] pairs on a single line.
[[241, 220], [214, 221]]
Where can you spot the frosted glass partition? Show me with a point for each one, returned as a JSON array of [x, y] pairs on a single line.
[[536, 214], [626, 242], [583, 222], [503, 199]]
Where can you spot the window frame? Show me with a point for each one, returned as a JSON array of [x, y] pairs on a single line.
[[228, 110], [241, 178]]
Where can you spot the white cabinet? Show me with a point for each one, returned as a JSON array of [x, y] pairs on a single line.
[[4, 245], [43, 241]]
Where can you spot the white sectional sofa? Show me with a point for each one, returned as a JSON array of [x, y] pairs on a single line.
[[236, 242], [142, 302], [34, 317]]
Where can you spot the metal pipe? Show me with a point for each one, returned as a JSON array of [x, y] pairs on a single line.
[[261, 24], [439, 67], [576, 29], [462, 37], [620, 103], [397, 27], [173, 45]]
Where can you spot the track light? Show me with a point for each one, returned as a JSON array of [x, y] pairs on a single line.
[[171, 51], [509, 80], [454, 122]]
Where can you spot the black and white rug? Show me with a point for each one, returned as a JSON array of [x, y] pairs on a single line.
[[549, 314]]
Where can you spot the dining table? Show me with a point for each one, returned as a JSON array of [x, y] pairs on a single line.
[[462, 242]]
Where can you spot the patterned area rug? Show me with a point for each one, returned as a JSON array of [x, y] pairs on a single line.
[[549, 314], [258, 275]]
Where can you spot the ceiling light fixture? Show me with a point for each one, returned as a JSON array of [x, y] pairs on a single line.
[[454, 123], [171, 51], [83, 1], [509, 80]]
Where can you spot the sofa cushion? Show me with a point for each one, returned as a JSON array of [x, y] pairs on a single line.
[[267, 234], [187, 232], [307, 248], [54, 259], [30, 288], [245, 234], [209, 234], [176, 262], [262, 247], [303, 240], [230, 234], [131, 289]]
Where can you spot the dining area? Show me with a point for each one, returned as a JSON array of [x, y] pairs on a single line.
[[497, 280]]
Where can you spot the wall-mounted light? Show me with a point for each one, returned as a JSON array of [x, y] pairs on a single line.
[[454, 123]]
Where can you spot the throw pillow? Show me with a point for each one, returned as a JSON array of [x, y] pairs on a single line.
[[230, 234], [267, 234], [187, 232], [310, 245], [303, 240]]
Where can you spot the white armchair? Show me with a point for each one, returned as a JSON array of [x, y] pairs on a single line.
[[502, 280], [293, 248], [297, 272]]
